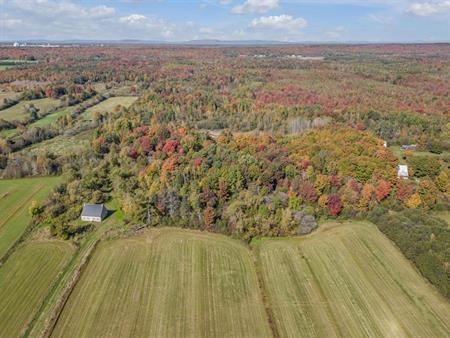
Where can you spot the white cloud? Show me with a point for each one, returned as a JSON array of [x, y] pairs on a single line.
[[429, 8], [283, 21], [142, 26], [70, 19], [255, 6], [86, 19], [336, 33], [10, 23], [66, 8], [134, 19], [101, 11]]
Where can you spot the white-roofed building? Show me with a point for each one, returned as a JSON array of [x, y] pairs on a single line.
[[402, 171]]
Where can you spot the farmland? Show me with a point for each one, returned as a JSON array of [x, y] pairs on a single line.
[[400, 153], [18, 111], [25, 280], [53, 117], [349, 280], [109, 105], [45, 121], [221, 168], [444, 215], [15, 198], [7, 64], [166, 284], [60, 145]]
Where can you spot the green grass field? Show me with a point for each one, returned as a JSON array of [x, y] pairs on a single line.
[[15, 198], [25, 280], [444, 215], [45, 121], [348, 281], [17, 112], [108, 106], [60, 145], [42, 323], [168, 283], [399, 153], [51, 118], [8, 133]]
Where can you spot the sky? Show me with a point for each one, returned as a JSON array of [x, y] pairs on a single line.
[[182, 20]]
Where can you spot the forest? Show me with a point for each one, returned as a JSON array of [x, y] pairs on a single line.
[[249, 142]]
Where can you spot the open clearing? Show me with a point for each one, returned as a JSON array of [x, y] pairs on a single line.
[[349, 281], [8, 133], [166, 283], [109, 105], [60, 145], [8, 95], [25, 280], [400, 153], [18, 111], [45, 121], [15, 198], [444, 215], [53, 117]]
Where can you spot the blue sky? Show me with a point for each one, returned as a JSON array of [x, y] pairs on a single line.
[[180, 20]]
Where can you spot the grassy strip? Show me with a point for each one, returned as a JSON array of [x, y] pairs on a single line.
[[263, 292], [66, 292], [17, 225], [48, 314], [21, 206], [25, 280], [16, 244]]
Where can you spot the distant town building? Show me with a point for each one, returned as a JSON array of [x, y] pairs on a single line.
[[93, 212], [16, 44], [403, 171], [412, 147]]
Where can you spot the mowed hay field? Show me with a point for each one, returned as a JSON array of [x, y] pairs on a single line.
[[25, 279], [109, 105], [15, 198], [18, 112], [349, 281], [168, 283], [60, 145]]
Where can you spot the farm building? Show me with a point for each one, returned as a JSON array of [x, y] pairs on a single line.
[[403, 171], [93, 212], [412, 147]]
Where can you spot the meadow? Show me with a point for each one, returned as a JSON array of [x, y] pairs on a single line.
[[348, 281], [401, 153], [109, 105], [18, 111], [45, 121], [8, 95], [444, 215], [167, 283], [25, 280], [60, 145], [15, 198], [53, 117]]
